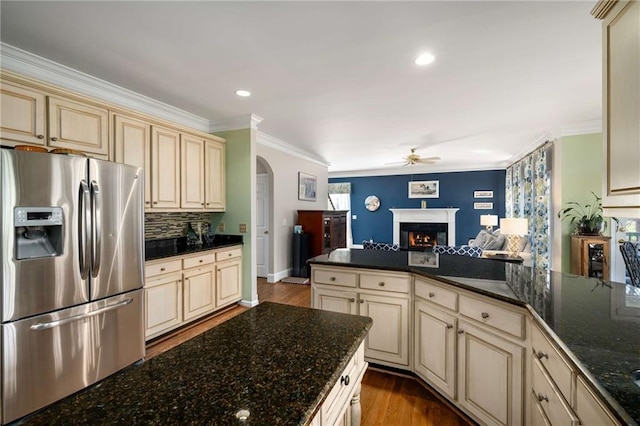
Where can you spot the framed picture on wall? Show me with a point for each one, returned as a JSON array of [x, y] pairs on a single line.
[[424, 189], [307, 187], [483, 206], [482, 194]]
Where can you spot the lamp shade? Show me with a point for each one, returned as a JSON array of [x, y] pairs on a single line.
[[514, 226], [488, 220]]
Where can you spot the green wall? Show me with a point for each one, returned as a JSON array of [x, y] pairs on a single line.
[[239, 163], [581, 170]]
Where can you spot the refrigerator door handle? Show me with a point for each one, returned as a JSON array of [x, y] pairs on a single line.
[[57, 323], [96, 228], [83, 232]]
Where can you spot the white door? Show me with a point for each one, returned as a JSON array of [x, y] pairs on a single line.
[[262, 228]]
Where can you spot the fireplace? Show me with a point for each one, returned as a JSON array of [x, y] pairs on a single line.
[[422, 235], [443, 230]]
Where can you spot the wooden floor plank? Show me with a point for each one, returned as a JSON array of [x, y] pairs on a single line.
[[387, 399]]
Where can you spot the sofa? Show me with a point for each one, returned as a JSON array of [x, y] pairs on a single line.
[[492, 243]]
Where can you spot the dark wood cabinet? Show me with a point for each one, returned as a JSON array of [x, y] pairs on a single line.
[[327, 229], [590, 256]]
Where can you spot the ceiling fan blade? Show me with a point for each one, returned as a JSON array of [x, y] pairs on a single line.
[[404, 163], [431, 159]]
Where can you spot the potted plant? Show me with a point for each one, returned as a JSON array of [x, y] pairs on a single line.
[[587, 218]]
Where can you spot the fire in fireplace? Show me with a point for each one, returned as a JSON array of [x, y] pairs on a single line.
[[415, 236]]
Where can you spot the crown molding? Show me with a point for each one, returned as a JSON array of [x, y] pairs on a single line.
[[34, 66], [280, 145], [403, 171], [247, 121], [582, 128]]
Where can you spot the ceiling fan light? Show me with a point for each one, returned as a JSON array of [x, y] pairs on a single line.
[[425, 59]]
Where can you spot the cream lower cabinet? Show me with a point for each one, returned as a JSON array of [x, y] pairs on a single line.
[[341, 407], [183, 288], [356, 292]]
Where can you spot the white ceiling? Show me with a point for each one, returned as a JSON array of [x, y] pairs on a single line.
[[337, 79]]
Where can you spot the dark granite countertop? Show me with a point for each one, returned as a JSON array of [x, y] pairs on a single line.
[[277, 361], [167, 247], [596, 322]]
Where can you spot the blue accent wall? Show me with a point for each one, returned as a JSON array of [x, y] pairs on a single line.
[[456, 190]]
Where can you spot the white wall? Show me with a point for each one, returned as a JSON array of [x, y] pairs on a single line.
[[285, 203]]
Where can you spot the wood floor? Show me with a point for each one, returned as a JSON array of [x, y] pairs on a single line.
[[387, 399]]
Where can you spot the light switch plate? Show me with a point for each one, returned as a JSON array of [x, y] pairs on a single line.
[[221, 227], [243, 227]]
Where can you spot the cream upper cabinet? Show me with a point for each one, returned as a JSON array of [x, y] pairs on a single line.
[[490, 376], [621, 106], [133, 146], [193, 180], [165, 168], [78, 126], [214, 175], [23, 117]]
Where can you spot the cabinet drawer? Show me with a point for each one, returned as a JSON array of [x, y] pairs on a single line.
[[192, 262], [164, 267], [228, 254], [333, 277], [589, 409], [436, 294], [499, 318], [559, 370], [397, 283], [552, 402], [340, 393]]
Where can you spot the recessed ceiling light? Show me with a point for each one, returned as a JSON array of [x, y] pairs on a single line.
[[424, 59], [243, 93]]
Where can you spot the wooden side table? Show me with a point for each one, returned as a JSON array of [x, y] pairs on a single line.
[[590, 256]]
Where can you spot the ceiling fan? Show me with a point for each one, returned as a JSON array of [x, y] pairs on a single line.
[[414, 158]]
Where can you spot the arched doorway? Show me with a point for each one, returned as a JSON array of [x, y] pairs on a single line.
[[264, 218]]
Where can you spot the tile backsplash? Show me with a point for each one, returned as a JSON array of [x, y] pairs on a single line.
[[174, 224]]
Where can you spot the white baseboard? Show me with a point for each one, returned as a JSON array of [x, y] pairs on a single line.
[[249, 303], [274, 278]]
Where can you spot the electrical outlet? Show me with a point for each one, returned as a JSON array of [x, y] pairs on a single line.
[[221, 227], [243, 227]]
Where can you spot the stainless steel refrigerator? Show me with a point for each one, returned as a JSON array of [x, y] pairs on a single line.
[[72, 275]]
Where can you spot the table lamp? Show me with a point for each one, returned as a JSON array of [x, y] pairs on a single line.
[[513, 228], [489, 221]]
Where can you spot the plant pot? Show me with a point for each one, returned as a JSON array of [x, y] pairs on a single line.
[[589, 228]]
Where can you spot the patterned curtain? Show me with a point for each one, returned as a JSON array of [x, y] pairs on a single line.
[[528, 195]]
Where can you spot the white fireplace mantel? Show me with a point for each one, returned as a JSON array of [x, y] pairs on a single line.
[[425, 216]]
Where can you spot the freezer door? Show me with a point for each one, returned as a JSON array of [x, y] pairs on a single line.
[[35, 286], [117, 261], [48, 357]]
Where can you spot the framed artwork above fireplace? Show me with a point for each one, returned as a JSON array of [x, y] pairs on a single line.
[[424, 189]]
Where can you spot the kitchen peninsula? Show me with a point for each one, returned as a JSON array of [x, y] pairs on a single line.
[[275, 364], [506, 343]]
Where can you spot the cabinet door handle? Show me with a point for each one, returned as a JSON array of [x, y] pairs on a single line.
[[352, 300], [449, 326], [485, 315], [201, 261], [146, 202], [432, 294], [163, 269], [155, 202], [40, 136], [202, 204], [381, 284], [332, 279], [541, 398], [460, 331], [541, 355], [53, 138], [361, 300], [345, 380]]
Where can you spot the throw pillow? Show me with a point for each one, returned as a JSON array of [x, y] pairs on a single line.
[[481, 238], [494, 242], [522, 243]]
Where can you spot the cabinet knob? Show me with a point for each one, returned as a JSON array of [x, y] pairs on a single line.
[[54, 138], [332, 279], [208, 204], [201, 261], [202, 204], [40, 136], [147, 202], [345, 380], [449, 326], [432, 294], [541, 355], [381, 284], [460, 331], [155, 202], [352, 300], [163, 269], [485, 315], [361, 300], [541, 398]]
